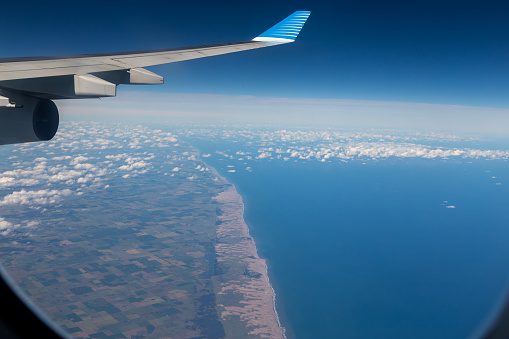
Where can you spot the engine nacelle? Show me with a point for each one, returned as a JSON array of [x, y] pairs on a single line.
[[36, 120]]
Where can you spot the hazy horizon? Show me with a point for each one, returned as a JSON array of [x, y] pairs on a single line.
[[131, 106]]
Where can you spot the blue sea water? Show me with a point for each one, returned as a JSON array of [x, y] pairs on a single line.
[[370, 250]]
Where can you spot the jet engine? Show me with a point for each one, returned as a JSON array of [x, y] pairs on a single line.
[[26, 119]]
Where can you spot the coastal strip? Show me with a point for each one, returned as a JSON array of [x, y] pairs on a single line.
[[241, 283]]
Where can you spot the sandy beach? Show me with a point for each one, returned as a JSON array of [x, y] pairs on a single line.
[[243, 290]]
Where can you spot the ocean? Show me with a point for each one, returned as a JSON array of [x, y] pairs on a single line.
[[383, 248]]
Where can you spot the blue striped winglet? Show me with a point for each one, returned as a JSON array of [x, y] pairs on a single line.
[[285, 31]]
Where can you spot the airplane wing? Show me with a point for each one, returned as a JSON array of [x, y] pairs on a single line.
[[125, 67], [28, 84]]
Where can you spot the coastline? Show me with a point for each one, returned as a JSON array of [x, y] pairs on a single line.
[[243, 289]]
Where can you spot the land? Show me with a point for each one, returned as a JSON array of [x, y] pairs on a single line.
[[135, 261], [164, 254]]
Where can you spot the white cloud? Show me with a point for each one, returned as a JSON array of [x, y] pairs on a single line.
[[84, 166], [85, 179], [65, 175], [264, 155], [10, 182], [7, 181], [342, 145], [134, 165], [78, 159], [66, 157], [6, 227], [40, 197], [117, 157], [28, 182]]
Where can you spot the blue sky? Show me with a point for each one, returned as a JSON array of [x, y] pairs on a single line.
[[453, 53]]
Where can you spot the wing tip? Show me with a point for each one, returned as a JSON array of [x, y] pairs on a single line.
[[285, 31]]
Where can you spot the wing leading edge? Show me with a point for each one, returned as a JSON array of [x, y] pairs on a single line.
[[58, 77]]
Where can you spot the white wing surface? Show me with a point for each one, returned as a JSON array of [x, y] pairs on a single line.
[[24, 68]]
